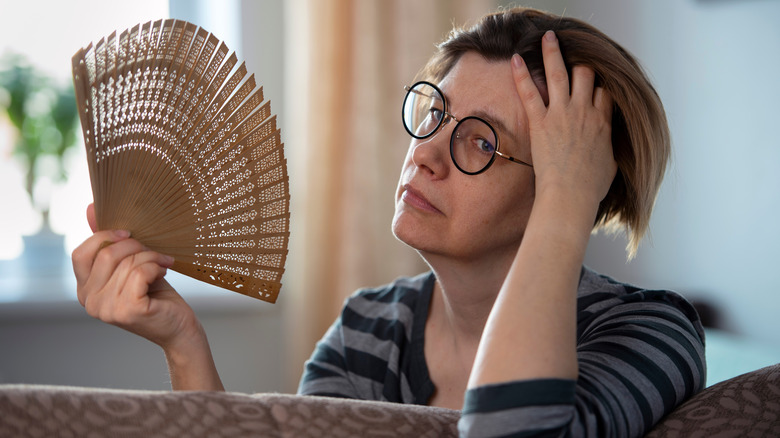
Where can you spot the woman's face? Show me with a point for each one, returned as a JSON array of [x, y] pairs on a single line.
[[441, 211]]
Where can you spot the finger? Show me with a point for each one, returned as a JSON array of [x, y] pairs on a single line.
[[602, 100], [555, 69], [526, 88], [94, 304], [582, 82], [91, 219], [94, 265], [116, 261], [141, 276], [84, 255], [130, 281]]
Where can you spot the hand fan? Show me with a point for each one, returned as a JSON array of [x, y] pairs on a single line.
[[184, 153]]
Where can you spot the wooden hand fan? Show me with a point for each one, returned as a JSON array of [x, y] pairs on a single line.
[[185, 155]]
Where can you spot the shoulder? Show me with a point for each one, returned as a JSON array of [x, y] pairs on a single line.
[[394, 301], [642, 348], [362, 354], [600, 297]]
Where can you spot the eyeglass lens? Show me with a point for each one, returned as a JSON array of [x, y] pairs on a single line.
[[473, 145], [423, 110], [473, 142]]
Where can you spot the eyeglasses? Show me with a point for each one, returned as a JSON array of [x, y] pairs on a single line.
[[473, 144]]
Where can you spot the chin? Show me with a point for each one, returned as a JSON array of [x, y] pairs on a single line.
[[407, 232], [416, 237], [399, 231]]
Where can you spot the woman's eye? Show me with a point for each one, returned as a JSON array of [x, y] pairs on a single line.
[[485, 146], [435, 113]]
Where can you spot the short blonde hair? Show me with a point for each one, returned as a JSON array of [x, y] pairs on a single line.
[[640, 135]]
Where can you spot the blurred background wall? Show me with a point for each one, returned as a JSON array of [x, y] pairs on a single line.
[[713, 236]]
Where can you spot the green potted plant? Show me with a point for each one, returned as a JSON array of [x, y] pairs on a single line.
[[45, 117]]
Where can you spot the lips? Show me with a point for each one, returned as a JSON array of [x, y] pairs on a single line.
[[417, 200]]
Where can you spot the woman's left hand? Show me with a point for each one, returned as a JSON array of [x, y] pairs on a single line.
[[570, 138]]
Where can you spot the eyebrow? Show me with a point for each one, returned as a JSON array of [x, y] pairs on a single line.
[[498, 124]]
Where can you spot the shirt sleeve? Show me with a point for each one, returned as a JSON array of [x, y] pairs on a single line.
[[637, 361]]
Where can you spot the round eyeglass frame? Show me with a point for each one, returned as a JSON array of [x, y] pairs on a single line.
[[446, 117]]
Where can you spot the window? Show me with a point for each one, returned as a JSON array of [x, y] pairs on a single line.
[[47, 40]]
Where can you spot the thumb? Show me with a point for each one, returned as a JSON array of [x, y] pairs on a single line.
[[91, 217]]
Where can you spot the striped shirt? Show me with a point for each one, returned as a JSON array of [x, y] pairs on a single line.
[[640, 354]]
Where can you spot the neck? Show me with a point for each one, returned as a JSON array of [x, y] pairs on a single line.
[[466, 290]]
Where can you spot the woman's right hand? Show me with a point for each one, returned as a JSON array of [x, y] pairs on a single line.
[[121, 282]]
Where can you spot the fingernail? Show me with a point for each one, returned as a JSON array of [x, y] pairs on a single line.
[[168, 260], [517, 61], [550, 36], [121, 234]]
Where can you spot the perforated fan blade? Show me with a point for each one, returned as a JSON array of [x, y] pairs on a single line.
[[185, 154]]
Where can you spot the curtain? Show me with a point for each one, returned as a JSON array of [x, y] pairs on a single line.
[[346, 64]]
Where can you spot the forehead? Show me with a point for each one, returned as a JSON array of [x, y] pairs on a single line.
[[486, 89]]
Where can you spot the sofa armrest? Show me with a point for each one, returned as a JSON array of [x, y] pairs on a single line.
[[746, 405], [37, 410]]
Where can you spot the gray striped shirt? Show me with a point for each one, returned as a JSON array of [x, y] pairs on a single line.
[[640, 353]]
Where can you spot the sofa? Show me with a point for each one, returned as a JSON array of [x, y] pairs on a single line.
[[746, 405]]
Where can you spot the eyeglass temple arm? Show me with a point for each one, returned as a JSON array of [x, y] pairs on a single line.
[[512, 159]]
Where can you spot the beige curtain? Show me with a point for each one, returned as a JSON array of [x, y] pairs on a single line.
[[347, 62]]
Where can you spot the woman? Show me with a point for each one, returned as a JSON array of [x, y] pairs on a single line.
[[528, 129]]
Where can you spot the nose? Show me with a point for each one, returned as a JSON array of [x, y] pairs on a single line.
[[432, 154]]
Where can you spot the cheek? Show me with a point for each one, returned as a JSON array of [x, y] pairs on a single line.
[[513, 206]]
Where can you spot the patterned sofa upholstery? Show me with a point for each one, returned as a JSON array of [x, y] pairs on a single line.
[[30, 410], [747, 405], [744, 406]]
